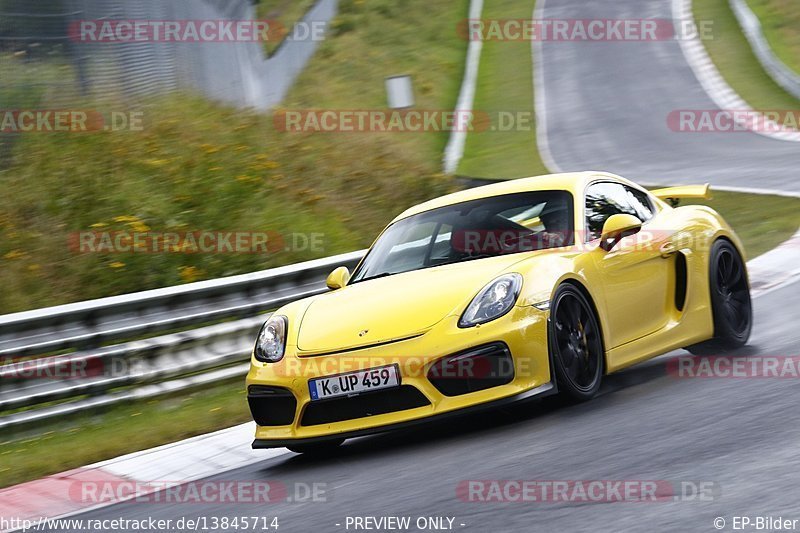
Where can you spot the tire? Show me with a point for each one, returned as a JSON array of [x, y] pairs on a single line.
[[731, 307], [576, 344], [328, 447]]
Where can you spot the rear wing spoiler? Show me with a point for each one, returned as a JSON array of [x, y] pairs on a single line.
[[674, 195]]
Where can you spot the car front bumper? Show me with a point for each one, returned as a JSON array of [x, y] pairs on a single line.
[[280, 399]]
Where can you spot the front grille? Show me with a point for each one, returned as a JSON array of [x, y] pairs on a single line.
[[473, 370], [271, 406], [364, 405]]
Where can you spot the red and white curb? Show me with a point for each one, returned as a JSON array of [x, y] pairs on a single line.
[[776, 268], [140, 473], [215, 453], [714, 84]]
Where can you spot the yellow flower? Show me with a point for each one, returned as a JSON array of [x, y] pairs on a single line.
[[126, 218], [139, 227], [117, 264], [98, 225], [189, 273], [15, 254]]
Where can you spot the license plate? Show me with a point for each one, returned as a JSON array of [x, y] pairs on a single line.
[[351, 383]]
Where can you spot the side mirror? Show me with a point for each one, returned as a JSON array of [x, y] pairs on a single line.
[[338, 278], [618, 227]]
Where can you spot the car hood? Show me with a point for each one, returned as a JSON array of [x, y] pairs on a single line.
[[395, 307]]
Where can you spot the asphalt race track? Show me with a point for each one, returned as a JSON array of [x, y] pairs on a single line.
[[607, 105], [647, 424]]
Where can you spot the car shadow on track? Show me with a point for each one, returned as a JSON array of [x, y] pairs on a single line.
[[473, 425]]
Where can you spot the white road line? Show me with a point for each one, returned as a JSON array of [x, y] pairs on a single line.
[[454, 150], [540, 96]]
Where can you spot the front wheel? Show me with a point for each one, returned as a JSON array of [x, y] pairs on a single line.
[[730, 300], [576, 344]]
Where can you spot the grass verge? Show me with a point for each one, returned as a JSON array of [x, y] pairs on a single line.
[[731, 53], [85, 439], [89, 438], [505, 85], [779, 21], [746, 214], [198, 166]]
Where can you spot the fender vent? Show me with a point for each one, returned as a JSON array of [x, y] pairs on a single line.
[[680, 281]]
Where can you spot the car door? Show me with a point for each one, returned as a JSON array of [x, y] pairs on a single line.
[[635, 274]]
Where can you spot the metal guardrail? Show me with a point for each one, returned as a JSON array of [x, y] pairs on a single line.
[[777, 69], [103, 366]]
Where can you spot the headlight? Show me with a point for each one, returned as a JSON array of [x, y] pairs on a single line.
[[495, 299], [271, 341]]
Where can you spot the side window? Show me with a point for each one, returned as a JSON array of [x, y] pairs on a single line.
[[602, 201], [642, 207], [606, 199]]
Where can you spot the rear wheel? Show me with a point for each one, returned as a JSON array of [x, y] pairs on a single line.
[[320, 448], [730, 300], [576, 344]]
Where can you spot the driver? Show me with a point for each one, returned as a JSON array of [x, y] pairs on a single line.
[[556, 227]]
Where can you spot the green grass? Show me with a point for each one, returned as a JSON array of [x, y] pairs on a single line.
[[780, 20], [84, 439], [286, 12], [761, 221], [202, 166], [731, 53], [505, 83], [374, 39]]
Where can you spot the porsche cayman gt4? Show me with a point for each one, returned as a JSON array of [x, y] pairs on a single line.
[[496, 294]]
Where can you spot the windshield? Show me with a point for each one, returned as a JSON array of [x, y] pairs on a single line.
[[487, 227]]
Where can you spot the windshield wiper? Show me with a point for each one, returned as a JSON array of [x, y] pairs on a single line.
[[465, 259], [376, 276]]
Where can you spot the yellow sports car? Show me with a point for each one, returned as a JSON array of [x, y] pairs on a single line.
[[496, 294]]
